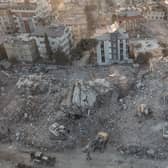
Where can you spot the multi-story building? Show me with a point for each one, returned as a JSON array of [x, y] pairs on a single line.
[[59, 36], [5, 2], [130, 20], [164, 5], [23, 15], [21, 50], [113, 48], [76, 20], [6, 21], [24, 1], [43, 9], [155, 12]]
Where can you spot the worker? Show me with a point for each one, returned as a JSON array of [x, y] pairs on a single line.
[[88, 155], [87, 150]]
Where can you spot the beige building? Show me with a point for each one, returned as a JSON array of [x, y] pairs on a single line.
[[21, 50], [131, 20], [23, 15], [76, 20], [155, 12], [6, 21]]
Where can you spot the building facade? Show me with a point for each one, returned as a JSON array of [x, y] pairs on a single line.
[[24, 17], [155, 12], [20, 50], [6, 21], [113, 48], [58, 36]]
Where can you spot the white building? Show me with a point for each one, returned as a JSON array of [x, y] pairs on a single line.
[[113, 48]]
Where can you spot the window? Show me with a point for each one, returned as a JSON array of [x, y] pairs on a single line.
[[121, 55], [121, 45], [41, 42], [102, 52]]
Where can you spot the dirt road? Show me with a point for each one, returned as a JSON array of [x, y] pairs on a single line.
[[76, 159]]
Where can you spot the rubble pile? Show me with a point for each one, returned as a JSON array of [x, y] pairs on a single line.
[[84, 94], [33, 84], [54, 112], [144, 152]]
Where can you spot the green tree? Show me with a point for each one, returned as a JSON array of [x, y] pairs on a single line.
[[76, 53], [87, 44], [114, 18], [2, 52], [60, 57], [48, 47], [165, 52], [143, 58]]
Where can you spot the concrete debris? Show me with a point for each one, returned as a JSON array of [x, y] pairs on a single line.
[[32, 84], [143, 109], [85, 93], [65, 108], [5, 65]]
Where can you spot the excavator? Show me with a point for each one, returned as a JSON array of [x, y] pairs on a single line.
[[98, 143]]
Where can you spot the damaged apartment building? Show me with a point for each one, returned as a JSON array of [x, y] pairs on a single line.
[[59, 36], [20, 50], [113, 47]]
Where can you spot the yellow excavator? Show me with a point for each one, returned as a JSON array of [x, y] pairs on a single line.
[[98, 143]]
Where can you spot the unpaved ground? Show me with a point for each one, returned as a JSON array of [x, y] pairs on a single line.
[[76, 159], [159, 30], [116, 115]]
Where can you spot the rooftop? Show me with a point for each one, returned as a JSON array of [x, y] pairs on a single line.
[[52, 31]]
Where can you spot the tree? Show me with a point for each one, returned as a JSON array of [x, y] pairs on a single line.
[[48, 47], [143, 58], [76, 53], [2, 52], [165, 52], [83, 45], [60, 57], [114, 18], [87, 44]]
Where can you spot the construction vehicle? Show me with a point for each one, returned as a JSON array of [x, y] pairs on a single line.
[[98, 143], [40, 158]]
